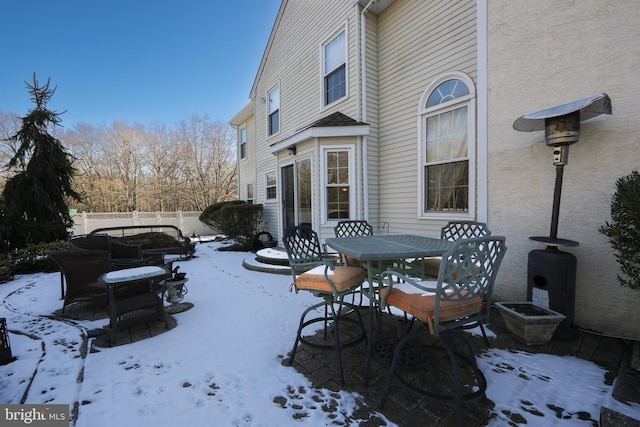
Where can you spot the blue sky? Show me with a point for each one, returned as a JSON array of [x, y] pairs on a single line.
[[142, 61]]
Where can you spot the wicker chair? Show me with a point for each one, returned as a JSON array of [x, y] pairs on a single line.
[[128, 303], [459, 299], [314, 273], [123, 255], [81, 270]]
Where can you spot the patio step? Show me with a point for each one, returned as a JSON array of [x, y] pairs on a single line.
[[611, 418], [625, 390], [269, 260]]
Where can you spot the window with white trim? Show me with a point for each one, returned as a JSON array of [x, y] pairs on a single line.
[[270, 185], [250, 196], [243, 143], [335, 69], [447, 148], [274, 110], [338, 177]]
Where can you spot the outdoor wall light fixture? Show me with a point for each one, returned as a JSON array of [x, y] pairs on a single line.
[[561, 127], [291, 150]]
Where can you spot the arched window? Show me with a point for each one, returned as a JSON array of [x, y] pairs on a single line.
[[447, 148]]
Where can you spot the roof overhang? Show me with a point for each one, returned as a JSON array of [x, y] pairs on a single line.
[[318, 132], [243, 115], [375, 6]]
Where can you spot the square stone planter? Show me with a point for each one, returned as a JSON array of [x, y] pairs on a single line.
[[530, 323]]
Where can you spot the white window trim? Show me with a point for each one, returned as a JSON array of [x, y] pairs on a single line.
[[328, 40], [246, 147], [468, 101], [253, 185], [266, 97], [351, 148], [266, 174]]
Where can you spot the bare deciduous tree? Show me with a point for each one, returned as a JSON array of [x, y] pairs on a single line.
[[155, 168], [208, 162], [163, 184], [125, 152]]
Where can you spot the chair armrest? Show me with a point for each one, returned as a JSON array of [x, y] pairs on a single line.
[[330, 262], [401, 278]]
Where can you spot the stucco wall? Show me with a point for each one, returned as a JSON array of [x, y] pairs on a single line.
[[542, 54]]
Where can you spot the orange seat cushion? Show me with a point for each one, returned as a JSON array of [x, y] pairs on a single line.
[[431, 266], [343, 278], [422, 305]]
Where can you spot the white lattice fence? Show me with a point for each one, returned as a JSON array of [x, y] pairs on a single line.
[[187, 222]]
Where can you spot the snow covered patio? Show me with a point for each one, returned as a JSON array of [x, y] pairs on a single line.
[[223, 363]]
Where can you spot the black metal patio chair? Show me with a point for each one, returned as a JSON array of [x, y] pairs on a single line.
[[454, 230], [352, 228], [315, 273], [459, 299]]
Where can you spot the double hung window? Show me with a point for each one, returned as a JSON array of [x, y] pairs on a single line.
[[243, 143], [338, 183], [447, 149], [250, 195], [274, 110], [335, 69], [270, 185]]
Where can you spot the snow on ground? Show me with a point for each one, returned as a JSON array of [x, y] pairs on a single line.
[[222, 366]]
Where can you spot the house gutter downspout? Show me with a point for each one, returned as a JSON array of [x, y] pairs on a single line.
[[363, 103], [483, 106]]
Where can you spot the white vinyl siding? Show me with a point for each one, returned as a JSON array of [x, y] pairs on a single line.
[[296, 68], [247, 166], [446, 35], [295, 63]]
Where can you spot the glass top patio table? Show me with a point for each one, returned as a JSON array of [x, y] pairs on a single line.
[[390, 247]]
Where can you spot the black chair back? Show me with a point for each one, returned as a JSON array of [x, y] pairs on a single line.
[[353, 228], [455, 230], [303, 248]]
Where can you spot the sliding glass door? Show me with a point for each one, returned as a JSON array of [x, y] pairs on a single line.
[[296, 193]]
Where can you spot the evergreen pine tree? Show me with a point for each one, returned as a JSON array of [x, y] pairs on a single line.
[[35, 199]]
